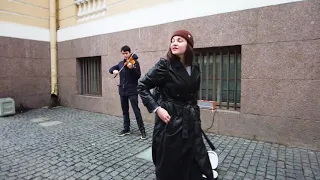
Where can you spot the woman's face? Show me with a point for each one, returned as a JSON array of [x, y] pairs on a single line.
[[178, 46]]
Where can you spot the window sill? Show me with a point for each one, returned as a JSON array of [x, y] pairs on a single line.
[[90, 96]]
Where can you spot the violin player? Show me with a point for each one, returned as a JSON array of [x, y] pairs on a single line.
[[129, 71]]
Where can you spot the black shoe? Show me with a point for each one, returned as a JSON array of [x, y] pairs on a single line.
[[143, 135], [123, 133]]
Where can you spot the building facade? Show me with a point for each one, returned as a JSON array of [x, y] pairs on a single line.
[[259, 59], [25, 52]]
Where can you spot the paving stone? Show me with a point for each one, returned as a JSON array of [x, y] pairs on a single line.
[[95, 178], [85, 177], [85, 145], [102, 174]]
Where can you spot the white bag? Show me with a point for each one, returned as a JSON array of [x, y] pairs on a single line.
[[213, 157]]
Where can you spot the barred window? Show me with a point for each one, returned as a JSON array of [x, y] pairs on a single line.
[[220, 75], [90, 76]]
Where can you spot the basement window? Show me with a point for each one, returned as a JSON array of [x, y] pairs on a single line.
[[220, 75], [90, 76]]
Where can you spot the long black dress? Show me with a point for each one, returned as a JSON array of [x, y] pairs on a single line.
[[177, 147]]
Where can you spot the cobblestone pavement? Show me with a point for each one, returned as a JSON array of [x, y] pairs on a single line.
[[85, 146]]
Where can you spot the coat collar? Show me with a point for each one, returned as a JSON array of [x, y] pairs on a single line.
[[181, 71]]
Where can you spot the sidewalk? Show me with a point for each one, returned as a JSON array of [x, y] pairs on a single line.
[[64, 143]]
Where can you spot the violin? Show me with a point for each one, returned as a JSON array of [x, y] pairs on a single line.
[[129, 62]]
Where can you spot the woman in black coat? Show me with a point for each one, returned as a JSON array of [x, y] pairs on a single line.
[[178, 149]]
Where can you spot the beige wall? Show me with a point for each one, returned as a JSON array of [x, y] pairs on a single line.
[[36, 12], [67, 13], [27, 12]]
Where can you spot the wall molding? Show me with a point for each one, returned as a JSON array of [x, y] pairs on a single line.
[[159, 14]]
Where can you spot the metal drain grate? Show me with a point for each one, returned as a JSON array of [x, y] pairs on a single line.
[[146, 154], [51, 123], [41, 119]]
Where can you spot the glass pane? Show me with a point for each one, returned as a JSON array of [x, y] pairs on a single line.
[[231, 90], [210, 90], [225, 67], [239, 66], [210, 79], [231, 85], [204, 91], [87, 77], [224, 91], [218, 90], [204, 68], [91, 76], [218, 66], [94, 78], [231, 96], [238, 90], [231, 76], [210, 67]]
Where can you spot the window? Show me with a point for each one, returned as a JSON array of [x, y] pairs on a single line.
[[90, 76], [220, 75]]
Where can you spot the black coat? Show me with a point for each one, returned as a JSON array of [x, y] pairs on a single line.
[[177, 147], [128, 77]]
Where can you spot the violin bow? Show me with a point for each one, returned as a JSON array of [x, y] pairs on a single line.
[[124, 64]]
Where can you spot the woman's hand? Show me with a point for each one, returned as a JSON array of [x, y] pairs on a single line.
[[163, 114]]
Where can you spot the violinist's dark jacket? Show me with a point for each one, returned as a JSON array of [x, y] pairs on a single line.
[[128, 77]]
